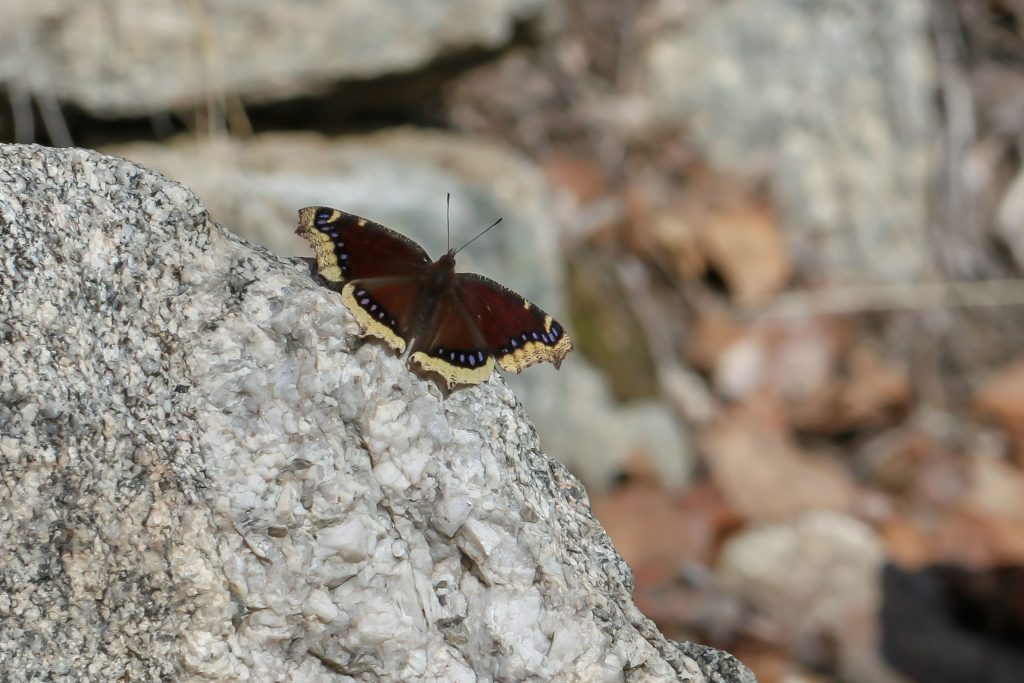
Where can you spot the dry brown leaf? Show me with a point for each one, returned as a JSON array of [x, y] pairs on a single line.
[[956, 537], [584, 178], [658, 532], [996, 489], [968, 540], [983, 527], [713, 332], [746, 247], [675, 240], [767, 477], [906, 543], [1007, 536], [872, 393], [645, 524], [1001, 399]]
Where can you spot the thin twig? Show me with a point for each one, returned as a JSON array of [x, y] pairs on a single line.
[[21, 111], [213, 70], [912, 297], [53, 120]]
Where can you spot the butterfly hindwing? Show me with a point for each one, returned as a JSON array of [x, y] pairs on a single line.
[[516, 332], [454, 347], [384, 307], [349, 247]]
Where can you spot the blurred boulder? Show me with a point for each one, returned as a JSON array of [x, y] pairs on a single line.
[[125, 58], [831, 100], [816, 577]]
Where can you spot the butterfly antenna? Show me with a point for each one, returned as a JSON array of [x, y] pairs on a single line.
[[448, 208], [478, 236]]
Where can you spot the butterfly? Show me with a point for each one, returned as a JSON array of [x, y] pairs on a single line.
[[455, 325]]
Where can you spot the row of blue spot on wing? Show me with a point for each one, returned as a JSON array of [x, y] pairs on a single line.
[[550, 338], [367, 303], [323, 216], [469, 359]]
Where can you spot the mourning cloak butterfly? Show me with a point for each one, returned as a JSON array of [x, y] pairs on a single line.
[[453, 324]]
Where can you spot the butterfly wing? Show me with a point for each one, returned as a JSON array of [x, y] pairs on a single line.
[[453, 346], [518, 333], [379, 270], [352, 248], [384, 307]]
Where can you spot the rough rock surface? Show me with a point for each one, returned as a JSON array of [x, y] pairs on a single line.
[[106, 57], [205, 476], [835, 100]]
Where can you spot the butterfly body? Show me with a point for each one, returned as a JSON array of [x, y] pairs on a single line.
[[438, 285], [456, 325]]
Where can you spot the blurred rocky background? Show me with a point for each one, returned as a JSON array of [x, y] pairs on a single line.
[[787, 235]]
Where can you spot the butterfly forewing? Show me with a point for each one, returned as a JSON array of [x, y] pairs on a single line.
[[349, 247], [381, 267], [518, 333]]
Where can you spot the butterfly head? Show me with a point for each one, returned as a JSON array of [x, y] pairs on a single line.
[[442, 272]]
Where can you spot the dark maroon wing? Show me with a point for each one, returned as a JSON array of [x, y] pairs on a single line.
[[380, 270], [453, 347], [350, 248], [510, 328]]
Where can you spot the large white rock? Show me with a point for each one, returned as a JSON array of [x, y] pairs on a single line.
[[205, 476]]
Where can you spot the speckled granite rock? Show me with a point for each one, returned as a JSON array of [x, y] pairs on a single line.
[[205, 476]]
